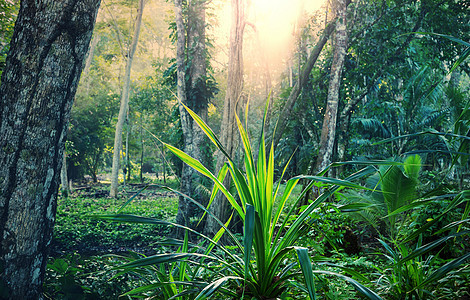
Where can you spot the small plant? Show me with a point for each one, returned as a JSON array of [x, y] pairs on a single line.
[[412, 271], [76, 277], [262, 266]]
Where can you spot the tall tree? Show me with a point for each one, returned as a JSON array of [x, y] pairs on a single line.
[[124, 102], [228, 130], [286, 111], [328, 133], [191, 64], [39, 81]]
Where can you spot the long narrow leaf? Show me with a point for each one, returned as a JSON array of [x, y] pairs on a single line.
[[445, 269], [249, 229], [209, 133], [195, 164], [428, 247], [132, 198], [234, 239], [306, 266], [220, 177], [144, 220], [335, 181], [214, 286]]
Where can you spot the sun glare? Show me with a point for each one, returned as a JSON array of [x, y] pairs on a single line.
[[276, 20], [273, 31]]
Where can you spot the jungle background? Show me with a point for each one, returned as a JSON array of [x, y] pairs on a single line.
[[335, 87]]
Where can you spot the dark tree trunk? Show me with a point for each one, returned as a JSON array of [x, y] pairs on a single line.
[[39, 82], [193, 95]]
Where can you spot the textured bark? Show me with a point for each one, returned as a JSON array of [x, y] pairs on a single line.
[[328, 133], [286, 111], [182, 216], [63, 177], [228, 130], [194, 98], [39, 82], [124, 103]]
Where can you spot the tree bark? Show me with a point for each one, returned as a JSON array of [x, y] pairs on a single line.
[[193, 96], [124, 103], [39, 82], [127, 159], [142, 148], [182, 216], [328, 134], [228, 130], [63, 177], [286, 111]]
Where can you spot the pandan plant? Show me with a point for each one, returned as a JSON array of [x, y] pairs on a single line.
[[267, 261]]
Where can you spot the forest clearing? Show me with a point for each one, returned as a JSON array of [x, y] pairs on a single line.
[[242, 149]]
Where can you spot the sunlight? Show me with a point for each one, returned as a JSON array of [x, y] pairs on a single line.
[[271, 33], [276, 20]]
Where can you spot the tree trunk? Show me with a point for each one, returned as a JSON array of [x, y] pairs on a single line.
[[328, 133], [303, 78], [142, 148], [182, 216], [88, 61], [228, 129], [128, 163], [63, 177], [39, 82], [124, 103], [194, 97]]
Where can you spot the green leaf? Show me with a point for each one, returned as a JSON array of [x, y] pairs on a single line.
[[163, 258], [398, 190], [195, 164], [132, 198], [334, 181], [306, 266], [220, 177], [209, 133], [412, 166], [214, 286], [445, 269], [248, 236], [428, 247], [145, 220]]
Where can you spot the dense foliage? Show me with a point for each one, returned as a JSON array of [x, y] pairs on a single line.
[[389, 219]]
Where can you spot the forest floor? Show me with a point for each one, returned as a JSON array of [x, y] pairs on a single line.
[[78, 230], [86, 249]]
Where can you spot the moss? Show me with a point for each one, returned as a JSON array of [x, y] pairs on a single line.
[[8, 149], [25, 155]]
